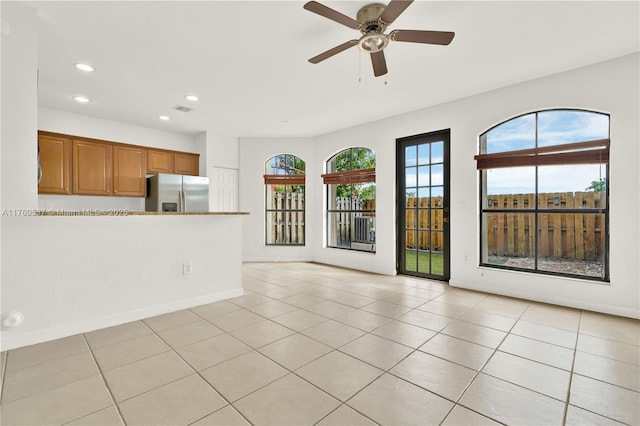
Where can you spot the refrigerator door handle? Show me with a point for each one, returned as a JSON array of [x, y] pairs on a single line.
[[184, 201], [179, 201]]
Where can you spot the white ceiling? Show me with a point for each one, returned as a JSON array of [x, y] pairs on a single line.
[[247, 60]]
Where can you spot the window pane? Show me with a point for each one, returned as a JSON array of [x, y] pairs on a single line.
[[351, 230], [509, 239], [437, 152], [424, 262], [423, 175], [410, 219], [504, 187], [410, 153], [423, 218], [423, 154], [362, 158], [412, 238], [424, 240], [437, 175], [566, 126], [423, 197], [275, 228], [519, 133], [410, 197], [436, 255], [411, 256], [366, 193], [437, 194], [572, 244], [436, 219], [411, 176], [571, 187]]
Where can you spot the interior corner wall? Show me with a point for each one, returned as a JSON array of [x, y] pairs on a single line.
[[254, 152], [19, 106], [222, 151], [611, 87]]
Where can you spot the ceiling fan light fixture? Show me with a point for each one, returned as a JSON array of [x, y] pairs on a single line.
[[373, 42]]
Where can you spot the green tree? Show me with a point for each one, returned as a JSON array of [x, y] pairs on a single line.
[[597, 186], [354, 159]]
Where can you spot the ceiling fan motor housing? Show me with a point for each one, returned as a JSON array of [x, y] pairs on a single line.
[[372, 28]]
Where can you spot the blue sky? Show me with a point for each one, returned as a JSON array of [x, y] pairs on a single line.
[[554, 127]]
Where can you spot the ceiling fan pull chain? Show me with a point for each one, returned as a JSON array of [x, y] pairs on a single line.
[[359, 67]]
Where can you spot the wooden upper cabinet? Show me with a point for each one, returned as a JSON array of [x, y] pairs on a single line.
[[186, 164], [129, 171], [55, 162], [159, 161], [92, 168]]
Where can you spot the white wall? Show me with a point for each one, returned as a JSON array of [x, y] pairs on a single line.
[[254, 152], [19, 106], [221, 165], [69, 275], [610, 87], [91, 127]]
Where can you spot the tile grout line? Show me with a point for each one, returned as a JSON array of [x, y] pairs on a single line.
[[4, 374], [201, 377], [106, 385], [573, 363], [477, 373]]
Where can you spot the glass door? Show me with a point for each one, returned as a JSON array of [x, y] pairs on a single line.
[[423, 205]]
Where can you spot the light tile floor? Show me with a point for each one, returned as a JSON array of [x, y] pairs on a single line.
[[312, 344]]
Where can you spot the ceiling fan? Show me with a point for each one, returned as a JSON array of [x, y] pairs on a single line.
[[372, 21]]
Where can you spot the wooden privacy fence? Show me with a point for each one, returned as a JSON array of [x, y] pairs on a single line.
[[420, 223], [287, 226], [560, 235]]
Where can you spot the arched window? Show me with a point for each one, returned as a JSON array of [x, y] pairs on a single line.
[[351, 200], [284, 186], [544, 185]]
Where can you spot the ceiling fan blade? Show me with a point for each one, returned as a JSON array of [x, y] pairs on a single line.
[[393, 10], [334, 15], [379, 63], [329, 53], [418, 36]]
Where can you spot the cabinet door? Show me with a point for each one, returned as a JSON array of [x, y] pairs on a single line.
[[55, 162], [129, 171], [186, 164], [92, 168], [159, 161]]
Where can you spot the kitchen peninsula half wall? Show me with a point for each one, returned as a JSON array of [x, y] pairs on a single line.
[[69, 273]]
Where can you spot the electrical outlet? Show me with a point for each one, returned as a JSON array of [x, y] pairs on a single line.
[[187, 268]]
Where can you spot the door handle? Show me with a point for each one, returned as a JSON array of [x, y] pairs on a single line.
[[445, 220]]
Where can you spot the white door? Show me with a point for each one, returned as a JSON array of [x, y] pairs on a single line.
[[223, 189]]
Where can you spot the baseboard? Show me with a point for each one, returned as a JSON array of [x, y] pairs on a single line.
[[570, 303], [9, 341], [276, 259]]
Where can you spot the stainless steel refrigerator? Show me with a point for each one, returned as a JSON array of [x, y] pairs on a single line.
[[177, 193]]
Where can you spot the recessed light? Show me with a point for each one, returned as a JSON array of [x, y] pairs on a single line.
[[85, 67], [82, 99], [192, 98], [164, 117]]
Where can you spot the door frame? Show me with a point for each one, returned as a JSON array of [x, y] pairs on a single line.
[[436, 136]]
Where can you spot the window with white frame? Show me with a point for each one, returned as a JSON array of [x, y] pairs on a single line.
[[351, 200], [284, 182], [544, 182]]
